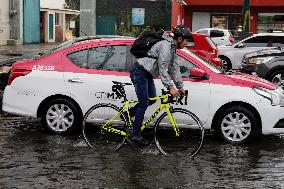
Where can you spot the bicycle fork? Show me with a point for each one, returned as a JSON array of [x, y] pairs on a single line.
[[172, 119]]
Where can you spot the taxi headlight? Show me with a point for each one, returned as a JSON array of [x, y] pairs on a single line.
[[275, 97], [260, 60]]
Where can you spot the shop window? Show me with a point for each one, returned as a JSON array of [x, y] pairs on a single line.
[[220, 22], [268, 22], [229, 21]]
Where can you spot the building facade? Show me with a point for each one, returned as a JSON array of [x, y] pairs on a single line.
[[264, 15], [124, 17], [34, 21], [56, 21]]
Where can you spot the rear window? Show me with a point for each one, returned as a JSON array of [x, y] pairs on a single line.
[[216, 33], [211, 43]]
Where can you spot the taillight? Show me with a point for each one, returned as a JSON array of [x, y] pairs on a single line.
[[17, 73], [213, 51]]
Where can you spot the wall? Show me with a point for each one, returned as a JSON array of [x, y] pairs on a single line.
[[52, 4], [88, 17], [4, 22]]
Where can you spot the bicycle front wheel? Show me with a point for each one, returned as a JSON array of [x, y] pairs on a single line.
[[101, 133], [187, 137]]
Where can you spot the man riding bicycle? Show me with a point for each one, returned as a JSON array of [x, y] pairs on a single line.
[[144, 71]]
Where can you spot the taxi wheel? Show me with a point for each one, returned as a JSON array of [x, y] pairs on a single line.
[[237, 125], [61, 116]]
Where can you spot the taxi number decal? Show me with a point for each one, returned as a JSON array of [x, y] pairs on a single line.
[[43, 68]]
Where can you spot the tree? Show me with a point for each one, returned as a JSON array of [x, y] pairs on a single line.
[[246, 16], [73, 4]]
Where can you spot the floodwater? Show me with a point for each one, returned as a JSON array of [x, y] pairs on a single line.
[[32, 158]]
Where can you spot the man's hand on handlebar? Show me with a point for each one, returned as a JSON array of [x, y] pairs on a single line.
[[182, 92], [174, 92]]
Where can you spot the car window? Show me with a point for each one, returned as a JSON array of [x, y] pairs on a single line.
[[79, 58], [184, 66], [259, 41], [211, 43], [216, 33], [111, 58], [278, 41], [200, 59]]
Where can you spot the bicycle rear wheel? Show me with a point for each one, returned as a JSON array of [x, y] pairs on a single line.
[[99, 137], [190, 130]]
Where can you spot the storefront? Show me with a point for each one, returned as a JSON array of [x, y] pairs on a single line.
[[264, 16]]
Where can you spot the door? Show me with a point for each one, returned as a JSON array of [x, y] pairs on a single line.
[[31, 21], [198, 100], [50, 27], [105, 25], [92, 71]]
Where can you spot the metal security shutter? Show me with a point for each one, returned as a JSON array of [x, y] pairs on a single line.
[[105, 24]]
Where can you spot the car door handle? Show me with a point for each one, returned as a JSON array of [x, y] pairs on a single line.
[[75, 81]]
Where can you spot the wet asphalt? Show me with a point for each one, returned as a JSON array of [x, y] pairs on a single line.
[[32, 158]]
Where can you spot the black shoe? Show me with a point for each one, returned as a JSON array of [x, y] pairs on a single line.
[[139, 140]]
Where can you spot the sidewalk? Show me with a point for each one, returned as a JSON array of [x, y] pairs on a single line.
[[23, 51]]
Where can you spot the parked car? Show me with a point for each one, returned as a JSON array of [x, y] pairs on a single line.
[[203, 46], [219, 36], [60, 87], [267, 64], [232, 55]]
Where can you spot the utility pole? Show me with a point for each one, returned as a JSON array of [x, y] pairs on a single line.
[[87, 17]]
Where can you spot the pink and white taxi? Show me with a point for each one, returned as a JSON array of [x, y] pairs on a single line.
[[60, 86]]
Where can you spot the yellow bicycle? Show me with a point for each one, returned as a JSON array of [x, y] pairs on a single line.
[[177, 129]]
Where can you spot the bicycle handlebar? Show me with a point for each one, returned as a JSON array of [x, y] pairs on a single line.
[[118, 88]]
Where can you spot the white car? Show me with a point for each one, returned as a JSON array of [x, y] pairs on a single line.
[[232, 55], [218, 36], [61, 86]]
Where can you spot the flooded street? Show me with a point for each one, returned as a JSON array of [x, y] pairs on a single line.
[[32, 158]]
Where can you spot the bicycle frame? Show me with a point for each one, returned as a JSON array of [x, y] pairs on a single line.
[[164, 105]]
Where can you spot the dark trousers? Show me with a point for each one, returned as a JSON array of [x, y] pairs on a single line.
[[144, 88]]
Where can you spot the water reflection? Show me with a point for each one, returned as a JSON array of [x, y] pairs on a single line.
[[35, 159]]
